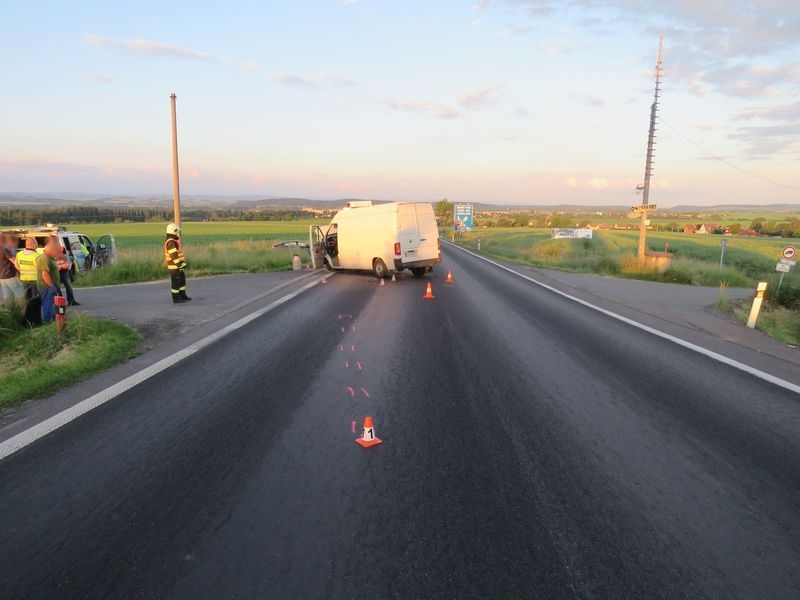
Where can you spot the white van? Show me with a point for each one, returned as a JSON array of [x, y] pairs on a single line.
[[381, 238]]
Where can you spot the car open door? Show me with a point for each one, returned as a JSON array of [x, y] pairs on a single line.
[[316, 243], [106, 249]]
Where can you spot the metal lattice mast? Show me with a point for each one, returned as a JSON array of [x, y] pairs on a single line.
[[648, 165], [651, 136]]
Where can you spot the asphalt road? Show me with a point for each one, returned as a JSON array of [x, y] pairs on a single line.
[[531, 448]]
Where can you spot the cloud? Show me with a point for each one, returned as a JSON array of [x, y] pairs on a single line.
[[470, 101], [599, 183], [480, 98], [339, 80], [562, 48], [145, 47], [775, 112], [516, 30], [100, 78], [438, 110], [768, 140], [314, 81], [292, 80], [589, 100], [481, 5], [346, 2], [738, 49], [249, 67]]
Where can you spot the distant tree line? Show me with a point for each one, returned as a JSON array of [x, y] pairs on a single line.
[[93, 214]]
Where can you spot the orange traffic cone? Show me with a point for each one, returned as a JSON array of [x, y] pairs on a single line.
[[324, 280], [393, 277], [383, 281], [429, 292], [368, 438], [449, 277]]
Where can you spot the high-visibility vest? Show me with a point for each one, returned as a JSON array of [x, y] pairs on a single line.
[[173, 254], [26, 259]]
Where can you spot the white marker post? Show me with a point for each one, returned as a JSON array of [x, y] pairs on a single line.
[[761, 289]]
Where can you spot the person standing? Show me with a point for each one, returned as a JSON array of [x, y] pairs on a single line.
[[47, 278], [26, 261], [10, 286], [176, 263], [65, 275]]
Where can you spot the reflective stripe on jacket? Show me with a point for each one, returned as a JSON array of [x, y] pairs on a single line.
[[26, 259], [173, 254]]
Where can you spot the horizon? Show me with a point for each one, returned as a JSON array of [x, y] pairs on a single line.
[[507, 102]]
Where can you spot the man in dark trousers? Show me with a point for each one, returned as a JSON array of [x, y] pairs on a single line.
[[65, 274], [176, 263]]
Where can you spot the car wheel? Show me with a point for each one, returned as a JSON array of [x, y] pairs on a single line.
[[418, 271], [379, 268]]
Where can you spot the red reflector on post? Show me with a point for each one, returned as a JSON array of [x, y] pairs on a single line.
[[397, 248]]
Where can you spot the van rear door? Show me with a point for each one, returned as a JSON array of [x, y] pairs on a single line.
[[408, 231]]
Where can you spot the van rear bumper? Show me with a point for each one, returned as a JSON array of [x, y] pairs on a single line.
[[400, 264]]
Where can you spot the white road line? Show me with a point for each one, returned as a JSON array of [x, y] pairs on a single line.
[[49, 425], [787, 385]]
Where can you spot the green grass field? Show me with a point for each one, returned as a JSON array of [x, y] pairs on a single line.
[[137, 235], [211, 248], [610, 252]]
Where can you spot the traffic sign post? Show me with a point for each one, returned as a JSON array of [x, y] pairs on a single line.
[[784, 266]]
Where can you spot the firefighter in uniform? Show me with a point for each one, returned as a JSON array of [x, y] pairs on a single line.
[[176, 263]]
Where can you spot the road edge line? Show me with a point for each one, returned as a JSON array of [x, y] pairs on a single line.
[[787, 385], [58, 420]]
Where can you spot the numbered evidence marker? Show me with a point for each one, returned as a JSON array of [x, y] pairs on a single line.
[[368, 438]]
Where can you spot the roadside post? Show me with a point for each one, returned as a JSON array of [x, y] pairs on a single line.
[[761, 289], [61, 314], [723, 244], [479, 244]]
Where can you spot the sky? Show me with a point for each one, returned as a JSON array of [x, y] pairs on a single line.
[[501, 101]]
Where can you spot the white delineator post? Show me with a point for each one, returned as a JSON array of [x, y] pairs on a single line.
[[757, 301]]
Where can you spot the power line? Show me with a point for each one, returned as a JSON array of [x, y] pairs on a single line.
[[730, 164]]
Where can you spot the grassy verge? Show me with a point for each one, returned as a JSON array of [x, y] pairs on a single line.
[[780, 323], [695, 257], [36, 362], [146, 263]]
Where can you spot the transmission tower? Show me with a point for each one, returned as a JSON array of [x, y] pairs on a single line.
[[645, 208]]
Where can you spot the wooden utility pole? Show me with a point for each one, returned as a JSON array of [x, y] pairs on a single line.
[[645, 208], [176, 186]]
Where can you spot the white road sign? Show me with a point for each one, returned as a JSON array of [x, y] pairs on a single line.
[[782, 268], [789, 252]]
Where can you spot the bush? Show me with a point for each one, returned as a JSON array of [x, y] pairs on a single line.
[[608, 265], [788, 296]]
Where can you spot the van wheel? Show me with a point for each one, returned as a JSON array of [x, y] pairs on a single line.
[[379, 268], [419, 271]]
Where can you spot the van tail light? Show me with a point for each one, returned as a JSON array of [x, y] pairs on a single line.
[[397, 248]]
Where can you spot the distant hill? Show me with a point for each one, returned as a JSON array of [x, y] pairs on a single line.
[[268, 202]]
